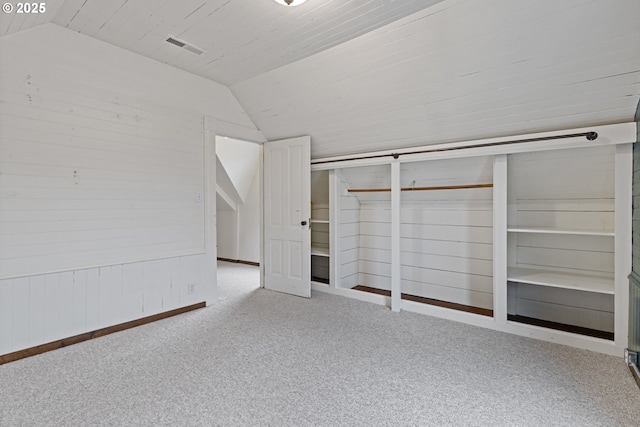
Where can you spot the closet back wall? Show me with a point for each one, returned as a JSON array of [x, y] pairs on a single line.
[[447, 235]]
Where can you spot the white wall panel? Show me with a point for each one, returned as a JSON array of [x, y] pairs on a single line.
[[227, 238], [460, 70], [563, 190], [582, 309], [250, 226], [105, 157], [101, 159], [349, 223], [101, 154], [42, 308], [447, 251], [446, 236]]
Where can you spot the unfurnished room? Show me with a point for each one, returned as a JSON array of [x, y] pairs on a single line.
[[320, 213]]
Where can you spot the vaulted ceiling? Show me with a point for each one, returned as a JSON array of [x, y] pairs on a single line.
[[361, 75], [241, 38]]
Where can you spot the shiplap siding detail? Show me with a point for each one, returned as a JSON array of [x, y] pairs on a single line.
[[563, 190], [459, 70], [447, 235], [446, 250], [349, 223], [369, 225], [374, 246], [102, 162]]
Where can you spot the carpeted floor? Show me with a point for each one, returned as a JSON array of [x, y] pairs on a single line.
[[260, 358]]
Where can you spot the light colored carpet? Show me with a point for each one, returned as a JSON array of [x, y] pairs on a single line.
[[261, 358]]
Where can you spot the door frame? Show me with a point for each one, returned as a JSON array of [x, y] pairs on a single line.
[[213, 127]]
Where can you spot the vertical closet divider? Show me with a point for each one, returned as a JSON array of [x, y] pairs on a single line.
[[500, 238], [396, 296]]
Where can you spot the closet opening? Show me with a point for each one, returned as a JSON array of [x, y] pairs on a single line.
[[320, 227], [446, 233], [561, 240], [364, 223], [533, 239]]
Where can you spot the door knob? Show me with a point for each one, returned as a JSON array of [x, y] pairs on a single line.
[[303, 222]]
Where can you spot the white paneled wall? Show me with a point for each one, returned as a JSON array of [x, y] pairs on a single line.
[[447, 235], [374, 259], [101, 183], [447, 251], [349, 223], [563, 190], [459, 70], [42, 308], [249, 227], [227, 234], [94, 170]]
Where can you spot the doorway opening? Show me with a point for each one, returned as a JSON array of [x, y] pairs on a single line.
[[238, 219]]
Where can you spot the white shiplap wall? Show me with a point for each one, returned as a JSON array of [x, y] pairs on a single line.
[[101, 159], [459, 70], [349, 223], [42, 308], [563, 189], [445, 236]]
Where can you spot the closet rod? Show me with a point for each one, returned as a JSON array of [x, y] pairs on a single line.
[[441, 187], [591, 136]]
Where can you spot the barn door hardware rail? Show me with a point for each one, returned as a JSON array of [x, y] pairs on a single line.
[[440, 187], [591, 136]]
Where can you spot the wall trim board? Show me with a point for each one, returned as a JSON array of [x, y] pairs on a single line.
[[105, 264], [65, 342], [239, 261], [351, 293], [430, 301], [234, 130]]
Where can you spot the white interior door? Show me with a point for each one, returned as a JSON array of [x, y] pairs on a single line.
[[287, 211]]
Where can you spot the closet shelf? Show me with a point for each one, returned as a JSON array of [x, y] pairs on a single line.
[[319, 221], [319, 251], [555, 279], [549, 230]]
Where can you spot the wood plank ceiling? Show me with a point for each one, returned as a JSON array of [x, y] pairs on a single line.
[[241, 38], [460, 70], [363, 75]]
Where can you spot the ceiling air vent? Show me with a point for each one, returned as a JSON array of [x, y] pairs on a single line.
[[185, 45]]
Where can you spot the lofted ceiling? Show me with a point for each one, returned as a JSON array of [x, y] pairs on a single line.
[[459, 70], [241, 38], [363, 75]]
